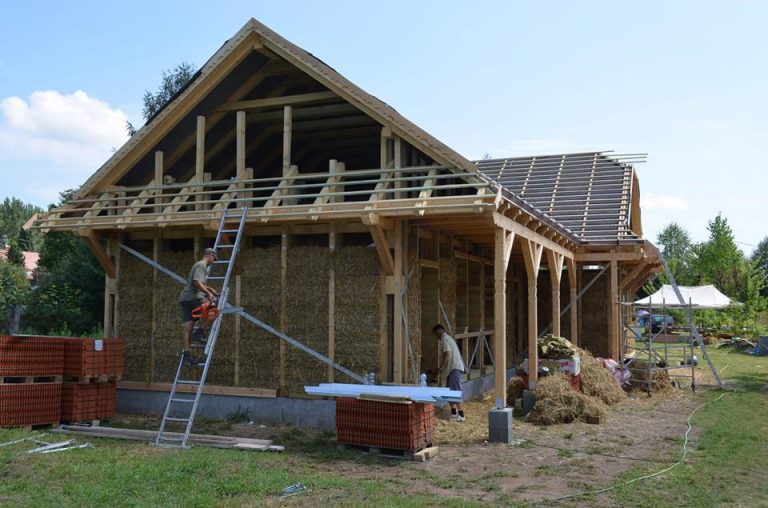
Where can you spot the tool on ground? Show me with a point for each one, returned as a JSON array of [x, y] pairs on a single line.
[[294, 489], [180, 408]]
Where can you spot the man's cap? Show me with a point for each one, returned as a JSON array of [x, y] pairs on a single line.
[[210, 252]]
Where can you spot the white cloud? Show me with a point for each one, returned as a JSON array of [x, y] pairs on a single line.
[[662, 202], [53, 141]]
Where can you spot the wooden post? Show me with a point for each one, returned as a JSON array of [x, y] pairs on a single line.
[[573, 287], [332, 300], [287, 134], [240, 145], [502, 247], [156, 244], [399, 368], [398, 164], [532, 257], [110, 293], [238, 327], [200, 158], [613, 330], [159, 170], [555, 263], [283, 303]]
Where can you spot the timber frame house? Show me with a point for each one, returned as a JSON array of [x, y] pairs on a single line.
[[268, 126]]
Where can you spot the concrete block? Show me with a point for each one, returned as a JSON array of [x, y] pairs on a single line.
[[500, 425], [529, 399]]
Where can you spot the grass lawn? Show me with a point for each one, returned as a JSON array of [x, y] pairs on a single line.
[[727, 464], [728, 454]]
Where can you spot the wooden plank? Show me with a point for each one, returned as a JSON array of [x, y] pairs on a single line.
[[207, 389], [426, 454], [597, 257], [285, 100], [100, 254], [392, 399], [159, 177]]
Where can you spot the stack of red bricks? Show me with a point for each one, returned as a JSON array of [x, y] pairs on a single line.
[[384, 424], [31, 371], [92, 368]]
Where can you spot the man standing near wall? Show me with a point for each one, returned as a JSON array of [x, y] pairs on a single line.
[[192, 296], [452, 366]]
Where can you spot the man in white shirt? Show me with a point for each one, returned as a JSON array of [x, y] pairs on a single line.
[[452, 366]]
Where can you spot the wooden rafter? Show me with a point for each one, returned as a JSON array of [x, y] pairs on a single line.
[[285, 100]]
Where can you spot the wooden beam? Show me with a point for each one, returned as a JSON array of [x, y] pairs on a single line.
[[503, 246], [628, 279], [597, 257], [287, 135], [399, 340], [240, 145], [532, 258], [207, 389], [238, 327], [382, 249], [614, 325], [331, 303], [573, 300], [284, 239], [156, 245], [99, 253], [524, 232], [285, 100], [555, 263], [200, 156]]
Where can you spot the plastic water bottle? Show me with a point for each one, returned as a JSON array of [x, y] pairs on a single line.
[[423, 379]]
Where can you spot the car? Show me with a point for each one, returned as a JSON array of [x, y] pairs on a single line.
[[659, 323]]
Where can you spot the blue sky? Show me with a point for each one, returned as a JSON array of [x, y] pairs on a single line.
[[685, 82]]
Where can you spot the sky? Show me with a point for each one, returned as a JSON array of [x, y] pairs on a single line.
[[684, 81]]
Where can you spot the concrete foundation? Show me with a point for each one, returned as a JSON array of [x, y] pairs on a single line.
[[307, 413], [500, 426]]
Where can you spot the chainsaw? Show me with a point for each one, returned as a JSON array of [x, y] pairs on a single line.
[[208, 310]]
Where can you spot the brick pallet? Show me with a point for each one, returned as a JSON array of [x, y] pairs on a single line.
[[384, 425], [28, 404], [86, 357], [87, 402], [31, 356]]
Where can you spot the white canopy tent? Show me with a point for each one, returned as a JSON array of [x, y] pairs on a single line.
[[700, 297]]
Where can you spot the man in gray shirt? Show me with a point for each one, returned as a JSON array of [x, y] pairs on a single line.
[[452, 366], [192, 296]]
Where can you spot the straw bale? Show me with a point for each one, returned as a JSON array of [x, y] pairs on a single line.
[[448, 291], [413, 313], [357, 309], [558, 402], [134, 286], [661, 382], [594, 308], [597, 380], [307, 313], [515, 389], [260, 296]]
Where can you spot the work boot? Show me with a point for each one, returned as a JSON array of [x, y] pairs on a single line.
[[191, 360], [198, 336]]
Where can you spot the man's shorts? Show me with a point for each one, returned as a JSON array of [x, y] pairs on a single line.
[[187, 307], [454, 380]]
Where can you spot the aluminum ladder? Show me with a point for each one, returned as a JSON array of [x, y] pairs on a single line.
[[181, 408]]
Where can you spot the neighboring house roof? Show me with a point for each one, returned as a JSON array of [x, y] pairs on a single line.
[[30, 261], [378, 110], [594, 195]]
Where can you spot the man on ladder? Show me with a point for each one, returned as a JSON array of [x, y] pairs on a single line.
[[192, 296]]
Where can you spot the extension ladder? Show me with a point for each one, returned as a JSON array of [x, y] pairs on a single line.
[[181, 408]]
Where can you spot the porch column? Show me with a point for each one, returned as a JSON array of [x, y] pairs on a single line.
[[555, 263], [503, 248], [532, 257], [573, 287], [614, 325]]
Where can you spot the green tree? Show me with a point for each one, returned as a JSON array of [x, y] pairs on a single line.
[[15, 255], [760, 260], [13, 214], [173, 81], [719, 260], [70, 291], [14, 288], [677, 249]]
